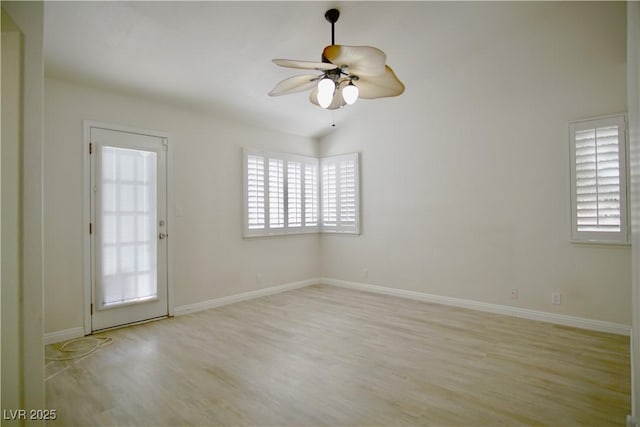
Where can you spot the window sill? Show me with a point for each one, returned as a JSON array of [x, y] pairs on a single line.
[[341, 233], [601, 244], [262, 236], [298, 233]]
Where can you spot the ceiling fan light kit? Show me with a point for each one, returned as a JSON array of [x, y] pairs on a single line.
[[347, 73]]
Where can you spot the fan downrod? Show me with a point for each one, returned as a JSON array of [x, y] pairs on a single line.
[[332, 16]]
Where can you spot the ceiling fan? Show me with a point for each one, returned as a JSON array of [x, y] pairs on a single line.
[[347, 73]]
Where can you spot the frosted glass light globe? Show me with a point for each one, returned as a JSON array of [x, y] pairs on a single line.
[[326, 86], [325, 98], [350, 93]]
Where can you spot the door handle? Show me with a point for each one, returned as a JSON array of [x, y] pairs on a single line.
[[162, 236]]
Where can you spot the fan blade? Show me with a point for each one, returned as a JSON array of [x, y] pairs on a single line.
[[305, 65], [360, 60], [380, 86], [336, 103], [294, 84]]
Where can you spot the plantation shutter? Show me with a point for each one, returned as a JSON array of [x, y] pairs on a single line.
[[348, 193], [340, 194], [286, 193], [329, 195], [280, 193], [599, 180], [276, 193], [294, 194], [311, 194], [255, 192]]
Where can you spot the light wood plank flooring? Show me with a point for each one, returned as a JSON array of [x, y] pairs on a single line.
[[323, 355]]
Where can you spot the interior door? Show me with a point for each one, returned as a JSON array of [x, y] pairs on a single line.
[[129, 227]]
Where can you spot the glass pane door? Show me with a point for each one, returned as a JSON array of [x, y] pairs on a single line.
[[129, 241], [128, 213]]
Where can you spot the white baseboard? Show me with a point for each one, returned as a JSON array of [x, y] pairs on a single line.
[[204, 305], [68, 334], [64, 335], [543, 316]]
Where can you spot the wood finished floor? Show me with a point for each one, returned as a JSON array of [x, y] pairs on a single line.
[[323, 355]]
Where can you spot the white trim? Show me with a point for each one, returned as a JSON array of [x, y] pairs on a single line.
[[542, 316], [171, 219], [86, 219], [64, 335], [632, 420], [218, 302], [633, 105], [86, 210]]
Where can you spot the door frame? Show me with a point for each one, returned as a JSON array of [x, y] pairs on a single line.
[[86, 212]]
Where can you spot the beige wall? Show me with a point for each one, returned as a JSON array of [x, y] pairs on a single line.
[[27, 17], [211, 260], [11, 166], [466, 193]]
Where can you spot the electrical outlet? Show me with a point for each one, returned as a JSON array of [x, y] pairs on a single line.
[[556, 298], [365, 273], [514, 293]]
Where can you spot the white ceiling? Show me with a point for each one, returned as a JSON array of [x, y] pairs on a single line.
[[216, 56]]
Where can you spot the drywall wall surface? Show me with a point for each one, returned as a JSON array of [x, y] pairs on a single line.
[[465, 183], [27, 17], [210, 258], [11, 217]]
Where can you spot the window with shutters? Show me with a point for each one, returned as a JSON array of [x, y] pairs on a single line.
[[599, 180], [280, 193], [288, 194], [340, 197]]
